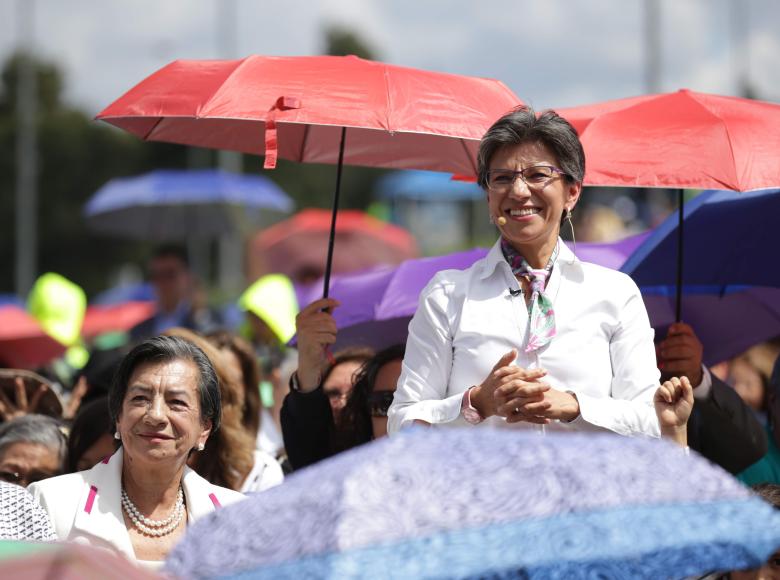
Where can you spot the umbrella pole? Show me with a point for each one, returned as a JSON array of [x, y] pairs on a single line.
[[679, 287], [332, 238]]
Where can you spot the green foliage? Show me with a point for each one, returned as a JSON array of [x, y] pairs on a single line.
[[76, 156]]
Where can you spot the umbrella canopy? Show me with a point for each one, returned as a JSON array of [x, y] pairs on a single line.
[[728, 321], [377, 305], [680, 140], [504, 504], [23, 342], [297, 247], [729, 240], [395, 116], [115, 318], [302, 108], [174, 205], [66, 561]]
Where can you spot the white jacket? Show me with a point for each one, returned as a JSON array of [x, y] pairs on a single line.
[[85, 507]]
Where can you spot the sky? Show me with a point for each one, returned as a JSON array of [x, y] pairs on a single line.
[[551, 53]]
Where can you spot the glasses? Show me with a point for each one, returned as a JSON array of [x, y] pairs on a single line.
[[379, 402], [535, 177]]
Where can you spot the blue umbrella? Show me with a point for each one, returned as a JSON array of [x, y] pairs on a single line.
[[427, 186], [729, 239], [174, 205], [496, 503]]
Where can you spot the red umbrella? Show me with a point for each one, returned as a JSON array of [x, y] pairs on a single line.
[[23, 343], [115, 318], [680, 140], [296, 247], [323, 109]]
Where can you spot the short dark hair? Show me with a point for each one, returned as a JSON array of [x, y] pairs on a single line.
[[91, 423], [165, 349], [172, 251], [522, 125]]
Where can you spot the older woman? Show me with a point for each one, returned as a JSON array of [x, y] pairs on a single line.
[[530, 333], [165, 404]]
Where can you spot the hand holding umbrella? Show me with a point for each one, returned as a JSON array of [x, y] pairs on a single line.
[[680, 354], [316, 332]]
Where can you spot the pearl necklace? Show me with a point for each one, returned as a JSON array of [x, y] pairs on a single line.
[[152, 527]]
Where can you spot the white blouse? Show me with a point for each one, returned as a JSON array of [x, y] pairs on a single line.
[[467, 319]]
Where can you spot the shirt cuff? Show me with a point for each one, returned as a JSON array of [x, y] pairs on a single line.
[[703, 390], [433, 411]]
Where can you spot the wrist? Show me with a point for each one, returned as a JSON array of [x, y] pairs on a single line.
[[572, 410], [477, 401], [678, 434], [308, 379]]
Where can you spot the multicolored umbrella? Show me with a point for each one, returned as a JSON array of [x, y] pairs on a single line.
[[476, 503]]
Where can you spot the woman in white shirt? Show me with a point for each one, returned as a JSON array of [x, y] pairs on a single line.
[[530, 334]]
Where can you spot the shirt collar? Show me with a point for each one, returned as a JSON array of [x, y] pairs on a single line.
[[495, 257]]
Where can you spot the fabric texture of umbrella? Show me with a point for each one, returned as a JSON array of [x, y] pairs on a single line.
[[175, 205], [295, 108], [23, 342], [683, 139], [728, 321], [66, 561], [729, 240], [297, 247], [468, 503], [376, 305]]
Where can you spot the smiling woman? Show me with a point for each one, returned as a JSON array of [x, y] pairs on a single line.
[[530, 335], [165, 404]]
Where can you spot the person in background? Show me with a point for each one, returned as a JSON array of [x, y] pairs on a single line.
[[767, 468], [32, 448], [21, 517], [165, 404], [230, 458], [722, 428], [339, 378], [270, 305], [175, 293], [310, 432], [770, 493], [91, 436]]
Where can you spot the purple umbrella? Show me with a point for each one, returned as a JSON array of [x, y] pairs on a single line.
[[376, 305]]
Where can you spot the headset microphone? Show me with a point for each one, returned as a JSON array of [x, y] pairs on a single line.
[[501, 221]]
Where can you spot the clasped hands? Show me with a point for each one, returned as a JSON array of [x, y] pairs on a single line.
[[520, 394]]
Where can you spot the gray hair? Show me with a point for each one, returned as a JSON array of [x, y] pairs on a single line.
[[38, 429], [523, 126]]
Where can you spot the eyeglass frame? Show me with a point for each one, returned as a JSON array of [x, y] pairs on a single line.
[[520, 174]]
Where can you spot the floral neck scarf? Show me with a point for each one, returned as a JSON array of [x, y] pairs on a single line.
[[540, 310]]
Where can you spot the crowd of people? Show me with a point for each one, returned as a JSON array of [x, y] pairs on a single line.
[[189, 417]]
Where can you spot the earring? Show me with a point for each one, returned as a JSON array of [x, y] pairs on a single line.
[[491, 219], [571, 227], [201, 446], [117, 435]]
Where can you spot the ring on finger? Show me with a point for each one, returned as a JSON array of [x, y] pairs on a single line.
[[517, 410]]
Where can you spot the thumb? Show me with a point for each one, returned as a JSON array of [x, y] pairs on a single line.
[[507, 359]]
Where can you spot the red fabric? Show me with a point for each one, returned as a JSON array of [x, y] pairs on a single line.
[[300, 244], [120, 317], [396, 117], [23, 343], [682, 140]]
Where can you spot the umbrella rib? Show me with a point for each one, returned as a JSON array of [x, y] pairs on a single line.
[[150, 131]]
